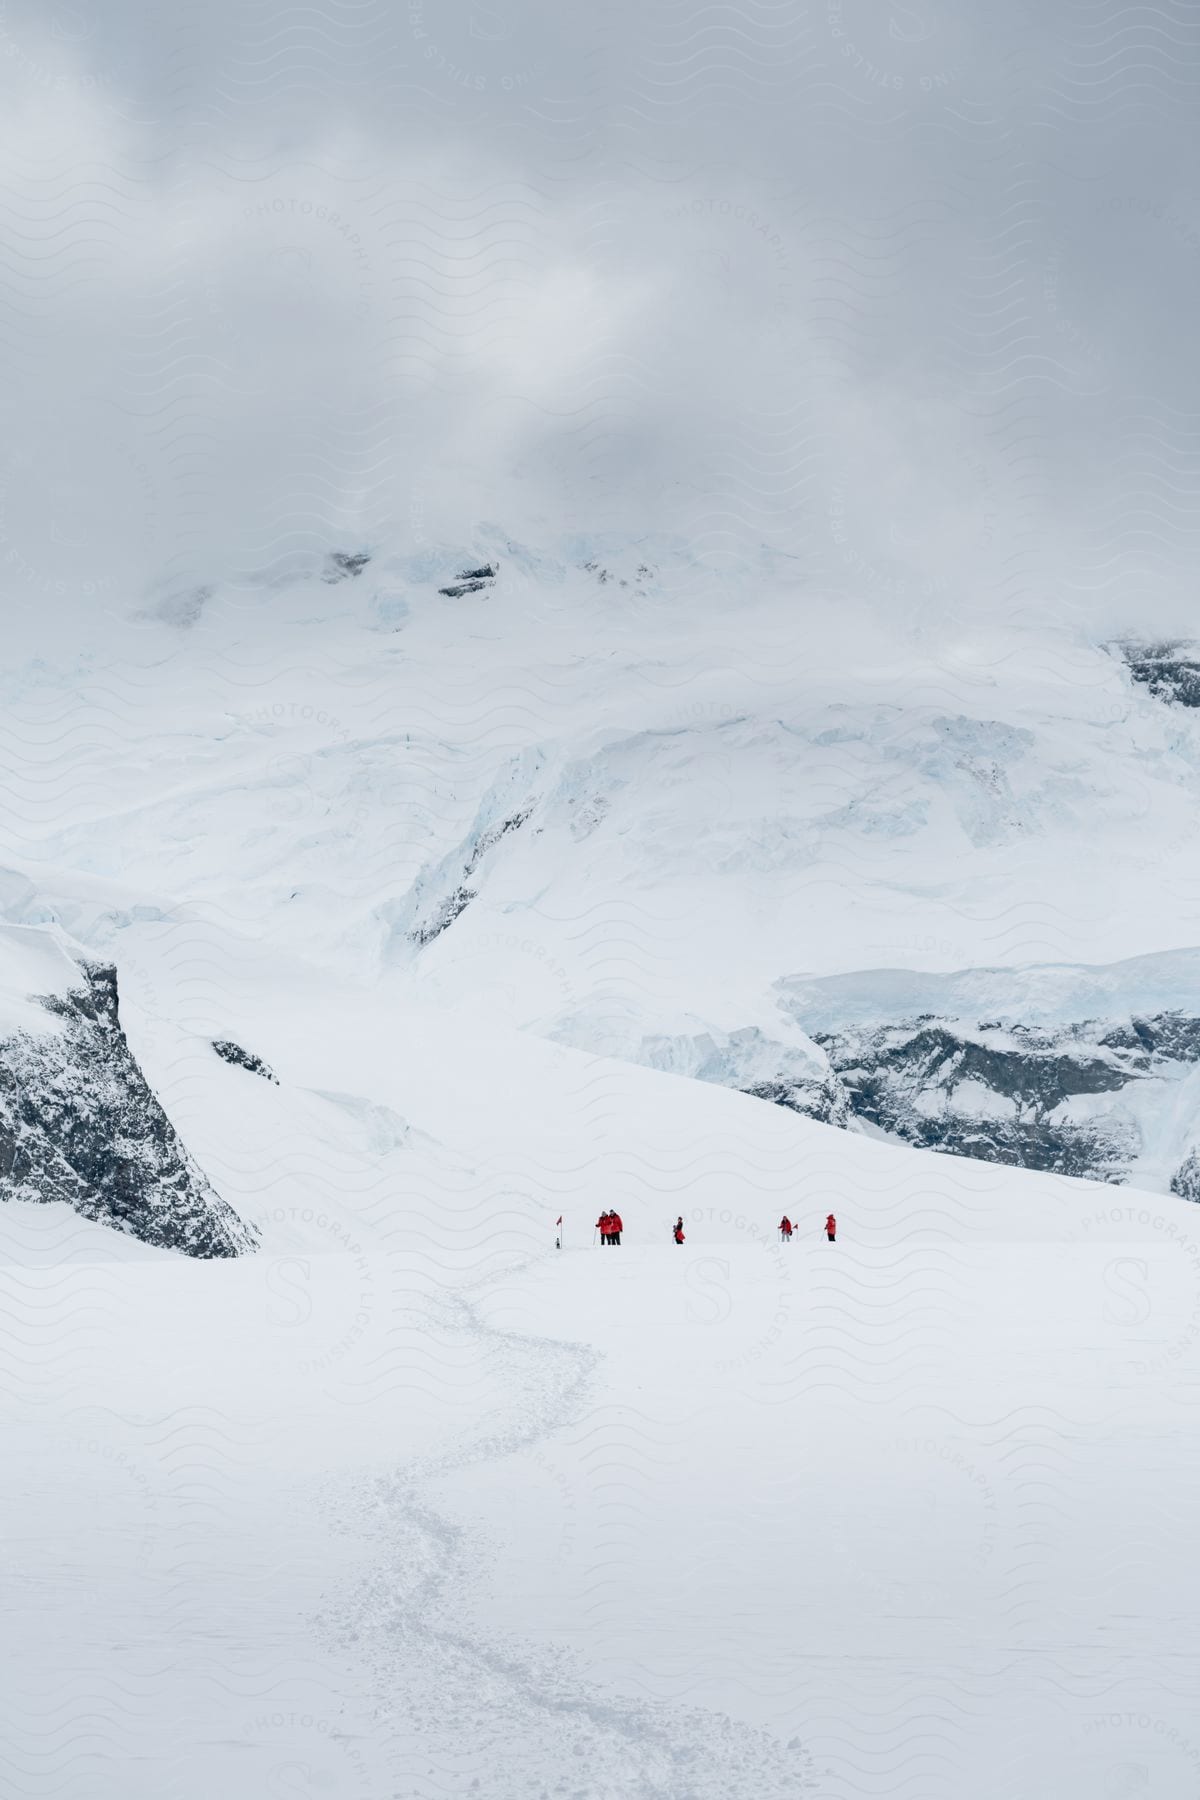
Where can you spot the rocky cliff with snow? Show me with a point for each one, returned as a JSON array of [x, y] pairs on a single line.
[[78, 1121], [1170, 670], [1080, 1071]]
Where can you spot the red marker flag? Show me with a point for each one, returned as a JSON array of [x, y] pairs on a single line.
[[558, 1221]]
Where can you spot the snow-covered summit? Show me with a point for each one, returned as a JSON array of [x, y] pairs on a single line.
[[596, 789]]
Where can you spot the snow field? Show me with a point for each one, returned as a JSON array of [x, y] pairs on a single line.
[[410, 1504], [416, 1502]]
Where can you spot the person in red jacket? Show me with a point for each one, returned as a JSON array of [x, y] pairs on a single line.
[[604, 1226], [785, 1229], [615, 1228], [678, 1232], [831, 1228]]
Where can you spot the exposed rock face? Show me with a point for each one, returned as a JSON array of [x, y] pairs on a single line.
[[444, 889], [1004, 1097], [78, 1123], [470, 581], [1073, 1069], [1171, 671], [1186, 1180], [825, 1100], [448, 908], [244, 1059], [444, 914]]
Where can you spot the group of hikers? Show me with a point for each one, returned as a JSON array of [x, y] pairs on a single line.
[[610, 1228], [786, 1228]]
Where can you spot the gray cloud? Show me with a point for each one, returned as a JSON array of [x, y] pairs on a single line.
[[904, 293]]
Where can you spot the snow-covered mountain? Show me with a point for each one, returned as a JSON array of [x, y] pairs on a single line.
[[455, 890], [595, 790]]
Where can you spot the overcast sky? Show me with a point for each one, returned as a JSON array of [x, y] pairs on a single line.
[[908, 294]]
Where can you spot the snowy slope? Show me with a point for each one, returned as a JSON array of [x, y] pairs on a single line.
[[437, 1510], [612, 797], [502, 888]]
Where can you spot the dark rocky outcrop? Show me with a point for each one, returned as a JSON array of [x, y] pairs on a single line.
[[443, 915], [79, 1124], [244, 1059], [1169, 1036], [1099, 1096], [825, 1101], [452, 904], [999, 1102], [1186, 1180], [469, 581], [1169, 670]]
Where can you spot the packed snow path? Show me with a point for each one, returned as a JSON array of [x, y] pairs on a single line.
[[497, 1715]]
